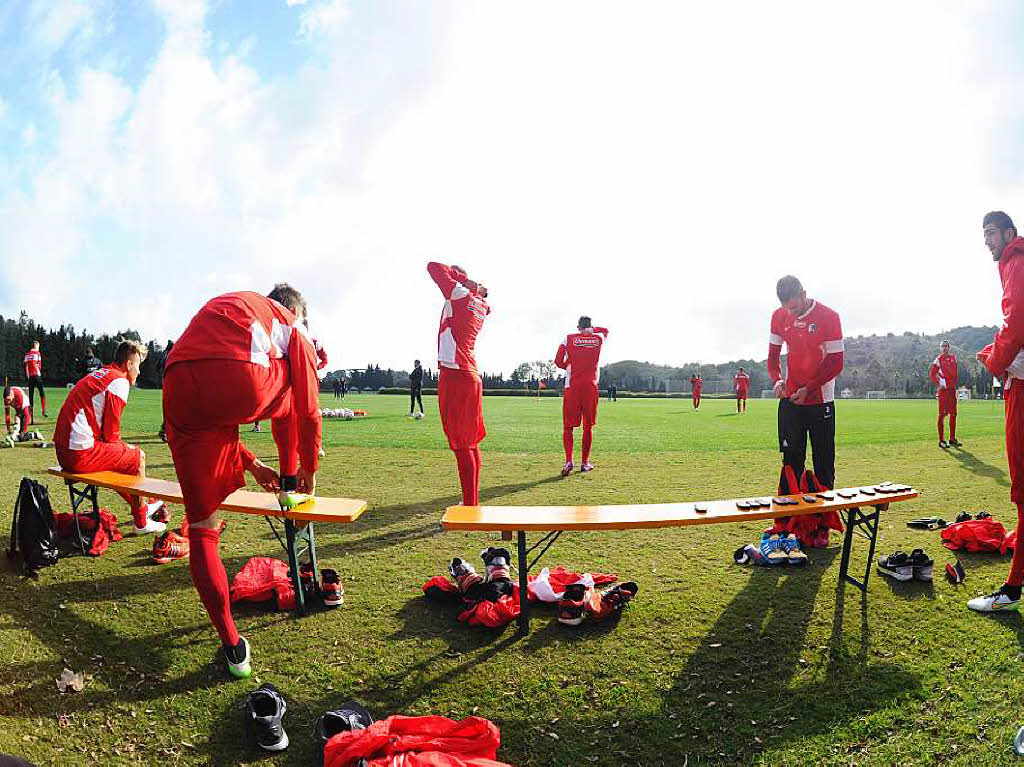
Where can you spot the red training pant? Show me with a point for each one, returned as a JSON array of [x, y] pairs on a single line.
[[1013, 395]]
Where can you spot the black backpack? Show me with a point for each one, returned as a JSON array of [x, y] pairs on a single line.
[[32, 530]]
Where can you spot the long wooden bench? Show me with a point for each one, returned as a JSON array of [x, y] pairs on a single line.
[[337, 510], [554, 520]]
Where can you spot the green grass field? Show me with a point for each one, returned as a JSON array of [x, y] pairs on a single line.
[[712, 663]]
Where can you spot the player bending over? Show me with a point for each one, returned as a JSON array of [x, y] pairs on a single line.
[[242, 358], [579, 356], [87, 436], [943, 373], [459, 388]]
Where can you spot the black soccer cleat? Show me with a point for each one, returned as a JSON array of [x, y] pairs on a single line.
[[350, 717], [955, 443], [264, 710]]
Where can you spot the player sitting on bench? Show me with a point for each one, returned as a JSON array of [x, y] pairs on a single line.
[[88, 432]]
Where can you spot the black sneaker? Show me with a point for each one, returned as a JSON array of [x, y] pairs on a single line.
[[943, 444], [897, 565], [264, 710], [922, 565], [963, 516], [351, 716], [955, 443]]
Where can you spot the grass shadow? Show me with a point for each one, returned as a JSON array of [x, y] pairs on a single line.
[[975, 465]]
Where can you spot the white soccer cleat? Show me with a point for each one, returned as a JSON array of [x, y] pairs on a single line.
[[152, 526], [567, 469], [994, 603]]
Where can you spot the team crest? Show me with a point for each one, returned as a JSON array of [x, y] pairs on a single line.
[[811, 327]]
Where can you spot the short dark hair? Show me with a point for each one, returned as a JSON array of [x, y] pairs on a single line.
[[788, 287], [585, 322], [415, 362], [998, 219], [288, 297], [128, 349]]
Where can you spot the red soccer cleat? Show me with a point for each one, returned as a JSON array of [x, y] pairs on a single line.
[[168, 547], [331, 588]]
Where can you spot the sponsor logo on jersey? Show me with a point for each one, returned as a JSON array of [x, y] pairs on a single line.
[[587, 341]]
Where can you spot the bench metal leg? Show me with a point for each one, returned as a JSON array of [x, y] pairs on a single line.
[[524, 602], [78, 497], [866, 526], [294, 537]]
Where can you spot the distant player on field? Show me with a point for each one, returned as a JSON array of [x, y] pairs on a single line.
[[813, 336], [943, 372], [459, 388], [87, 436], [416, 387], [34, 373], [91, 363], [741, 383], [696, 384], [15, 399], [243, 357], [579, 356]]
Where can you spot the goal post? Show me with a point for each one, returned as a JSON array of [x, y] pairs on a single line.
[[874, 395], [767, 393]]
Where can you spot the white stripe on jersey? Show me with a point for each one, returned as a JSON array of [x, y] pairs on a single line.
[[833, 347], [774, 340], [828, 391]]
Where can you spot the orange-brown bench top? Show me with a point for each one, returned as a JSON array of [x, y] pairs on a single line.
[[243, 501], [627, 517]]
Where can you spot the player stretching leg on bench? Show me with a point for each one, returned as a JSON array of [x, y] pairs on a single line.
[[579, 356], [244, 357], [88, 433]]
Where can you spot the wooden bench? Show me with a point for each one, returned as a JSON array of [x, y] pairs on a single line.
[[241, 501], [554, 520]]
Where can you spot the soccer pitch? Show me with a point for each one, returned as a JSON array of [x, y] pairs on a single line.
[[711, 663]]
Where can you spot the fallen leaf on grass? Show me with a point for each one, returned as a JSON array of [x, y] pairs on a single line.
[[70, 680]]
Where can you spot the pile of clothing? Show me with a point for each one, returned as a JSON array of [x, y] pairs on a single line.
[[979, 533], [341, 412], [811, 529], [265, 579], [492, 599], [101, 538]]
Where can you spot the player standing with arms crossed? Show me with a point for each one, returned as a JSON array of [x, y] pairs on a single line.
[[943, 372], [741, 383], [579, 356], [459, 388], [696, 384]]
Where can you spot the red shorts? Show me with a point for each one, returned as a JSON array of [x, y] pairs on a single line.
[[460, 398], [947, 402], [204, 403], [102, 456], [741, 394], [580, 405]]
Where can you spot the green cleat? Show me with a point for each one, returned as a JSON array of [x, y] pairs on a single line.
[[290, 499], [239, 659]]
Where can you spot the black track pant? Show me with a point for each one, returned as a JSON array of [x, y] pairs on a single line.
[[415, 397], [796, 424], [35, 382]]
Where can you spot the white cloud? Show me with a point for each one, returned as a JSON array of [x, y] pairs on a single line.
[[3, 109], [290, 3], [56, 21], [29, 135], [658, 171]]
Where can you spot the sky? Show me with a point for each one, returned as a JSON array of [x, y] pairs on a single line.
[[656, 166]]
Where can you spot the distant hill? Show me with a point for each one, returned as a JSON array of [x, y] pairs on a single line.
[[896, 364]]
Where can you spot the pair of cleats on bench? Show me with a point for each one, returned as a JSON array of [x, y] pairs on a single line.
[[493, 584], [580, 601]]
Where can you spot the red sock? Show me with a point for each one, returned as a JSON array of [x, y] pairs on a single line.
[[468, 472], [942, 430], [952, 426], [477, 463], [42, 400], [567, 442], [588, 440], [137, 507], [211, 581]]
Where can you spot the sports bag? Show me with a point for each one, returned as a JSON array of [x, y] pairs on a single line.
[[33, 536]]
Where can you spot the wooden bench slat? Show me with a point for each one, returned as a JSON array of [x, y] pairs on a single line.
[[242, 501], [628, 517]]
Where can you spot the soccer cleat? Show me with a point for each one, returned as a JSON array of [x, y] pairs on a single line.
[[955, 572], [169, 546], [943, 444], [264, 710], [586, 466], [496, 562], [605, 604], [151, 526], [771, 549], [464, 574], [289, 499], [573, 604], [350, 717], [953, 442], [8, 441], [567, 469], [239, 659], [322, 454], [331, 588], [922, 565], [820, 539], [998, 602], [928, 523], [897, 565], [794, 553], [963, 516], [256, 427]]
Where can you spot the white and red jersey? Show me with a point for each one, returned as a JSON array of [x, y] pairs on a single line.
[[92, 411], [696, 382], [580, 354], [814, 349], [19, 399], [321, 353], [943, 371], [461, 319], [250, 327], [33, 363], [741, 382]]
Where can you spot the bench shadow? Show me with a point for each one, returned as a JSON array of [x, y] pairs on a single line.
[[975, 465]]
